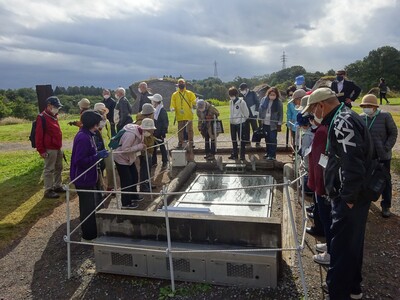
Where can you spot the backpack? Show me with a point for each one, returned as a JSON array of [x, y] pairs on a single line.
[[32, 136], [114, 142]]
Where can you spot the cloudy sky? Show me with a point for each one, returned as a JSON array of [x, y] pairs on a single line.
[[112, 43]]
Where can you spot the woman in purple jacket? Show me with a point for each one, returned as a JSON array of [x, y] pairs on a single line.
[[84, 156]]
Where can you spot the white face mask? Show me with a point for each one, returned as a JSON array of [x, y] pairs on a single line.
[[147, 133], [102, 124], [319, 120], [299, 86], [54, 110], [106, 96], [368, 111], [139, 90], [244, 92], [232, 98]]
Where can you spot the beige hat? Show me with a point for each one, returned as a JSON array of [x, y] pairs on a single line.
[[147, 109], [84, 103], [303, 102], [147, 124], [317, 96], [369, 99], [156, 98], [101, 107], [300, 93]]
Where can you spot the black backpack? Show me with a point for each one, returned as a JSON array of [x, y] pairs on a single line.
[[32, 136]]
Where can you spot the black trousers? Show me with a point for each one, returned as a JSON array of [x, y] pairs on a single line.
[[87, 203], [347, 248], [238, 132], [113, 131], [383, 96], [209, 145], [254, 126], [128, 176], [163, 150]]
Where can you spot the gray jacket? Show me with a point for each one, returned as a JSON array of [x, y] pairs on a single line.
[[383, 131], [276, 112]]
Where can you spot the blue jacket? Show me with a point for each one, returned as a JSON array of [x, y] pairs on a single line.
[[84, 155], [291, 115]]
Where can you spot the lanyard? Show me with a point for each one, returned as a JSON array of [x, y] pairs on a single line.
[[373, 119], [330, 126]]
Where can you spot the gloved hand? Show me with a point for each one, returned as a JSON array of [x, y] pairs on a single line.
[[72, 123], [102, 154]]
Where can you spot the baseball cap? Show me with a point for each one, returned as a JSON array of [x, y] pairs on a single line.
[[299, 80], [53, 100], [243, 86], [317, 96]]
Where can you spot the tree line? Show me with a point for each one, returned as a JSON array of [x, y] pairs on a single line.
[[382, 62]]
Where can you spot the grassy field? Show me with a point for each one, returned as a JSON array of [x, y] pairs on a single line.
[[22, 202]]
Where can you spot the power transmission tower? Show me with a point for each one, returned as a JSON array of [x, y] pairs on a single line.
[[215, 69], [284, 60]]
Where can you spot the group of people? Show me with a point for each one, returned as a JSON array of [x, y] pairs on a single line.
[[338, 148]]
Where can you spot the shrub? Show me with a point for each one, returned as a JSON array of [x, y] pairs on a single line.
[[12, 121], [217, 102]]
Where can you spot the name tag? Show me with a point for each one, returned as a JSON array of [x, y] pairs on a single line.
[[323, 160]]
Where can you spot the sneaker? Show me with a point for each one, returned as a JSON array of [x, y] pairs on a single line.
[[132, 205], [60, 189], [86, 241], [322, 258], [310, 208], [51, 195], [271, 158], [356, 296], [232, 157], [321, 248], [386, 212]]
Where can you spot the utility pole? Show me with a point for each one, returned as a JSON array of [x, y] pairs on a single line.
[[215, 69], [284, 60]]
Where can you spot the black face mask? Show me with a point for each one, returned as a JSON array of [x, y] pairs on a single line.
[[339, 77], [181, 86]]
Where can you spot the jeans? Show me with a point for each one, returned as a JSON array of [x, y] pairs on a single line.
[[128, 176], [347, 245], [387, 192], [237, 133], [271, 140]]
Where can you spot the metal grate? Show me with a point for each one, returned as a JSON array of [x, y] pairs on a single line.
[[118, 259], [242, 270], [181, 265]]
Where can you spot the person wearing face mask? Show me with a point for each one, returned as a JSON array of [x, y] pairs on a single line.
[[161, 122], [271, 115], [182, 103], [300, 83], [239, 113], [109, 102], [346, 91], [102, 138], [348, 156], [144, 95], [149, 141], [291, 114], [383, 89], [122, 110], [383, 131], [48, 138], [83, 104], [84, 156], [131, 142], [251, 99], [206, 114]]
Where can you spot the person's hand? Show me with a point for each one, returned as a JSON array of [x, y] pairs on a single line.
[[144, 147], [44, 154], [279, 128], [102, 154], [350, 205], [348, 101]]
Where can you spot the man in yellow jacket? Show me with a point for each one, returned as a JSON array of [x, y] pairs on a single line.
[[182, 102]]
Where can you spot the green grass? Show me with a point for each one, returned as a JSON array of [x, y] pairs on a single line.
[[22, 202]]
